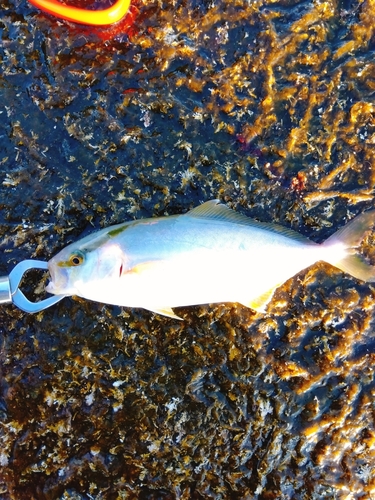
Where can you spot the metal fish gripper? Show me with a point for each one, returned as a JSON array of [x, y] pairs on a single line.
[[11, 294]]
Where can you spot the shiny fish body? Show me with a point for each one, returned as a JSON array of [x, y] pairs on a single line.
[[211, 254]]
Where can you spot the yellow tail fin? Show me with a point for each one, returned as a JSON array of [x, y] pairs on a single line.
[[351, 236]]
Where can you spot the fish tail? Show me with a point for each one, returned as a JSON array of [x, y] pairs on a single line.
[[349, 238]]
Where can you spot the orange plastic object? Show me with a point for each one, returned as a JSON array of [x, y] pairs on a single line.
[[83, 16]]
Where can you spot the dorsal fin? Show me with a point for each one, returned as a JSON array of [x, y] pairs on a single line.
[[215, 210]]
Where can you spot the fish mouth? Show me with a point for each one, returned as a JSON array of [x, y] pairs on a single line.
[[51, 285], [50, 288], [58, 283]]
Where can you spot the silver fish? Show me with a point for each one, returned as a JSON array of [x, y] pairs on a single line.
[[210, 254]]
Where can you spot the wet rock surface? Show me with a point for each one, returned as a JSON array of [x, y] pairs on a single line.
[[265, 105]]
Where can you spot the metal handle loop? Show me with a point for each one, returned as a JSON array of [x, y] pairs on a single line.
[[9, 291]]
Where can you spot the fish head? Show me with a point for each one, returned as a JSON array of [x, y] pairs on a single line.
[[79, 270]]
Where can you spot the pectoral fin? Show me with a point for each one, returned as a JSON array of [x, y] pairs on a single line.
[[259, 303], [164, 311], [142, 267]]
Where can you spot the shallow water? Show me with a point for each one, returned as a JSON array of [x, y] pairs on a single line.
[[265, 105]]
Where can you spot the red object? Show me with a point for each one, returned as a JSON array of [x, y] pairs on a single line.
[[103, 17]]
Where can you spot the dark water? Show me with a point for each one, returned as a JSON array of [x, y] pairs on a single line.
[[265, 105]]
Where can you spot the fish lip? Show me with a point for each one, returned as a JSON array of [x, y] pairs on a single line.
[[53, 286], [50, 287]]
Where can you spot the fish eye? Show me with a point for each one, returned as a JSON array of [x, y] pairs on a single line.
[[76, 259]]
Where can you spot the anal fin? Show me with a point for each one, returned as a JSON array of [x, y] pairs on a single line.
[[164, 311], [259, 303]]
